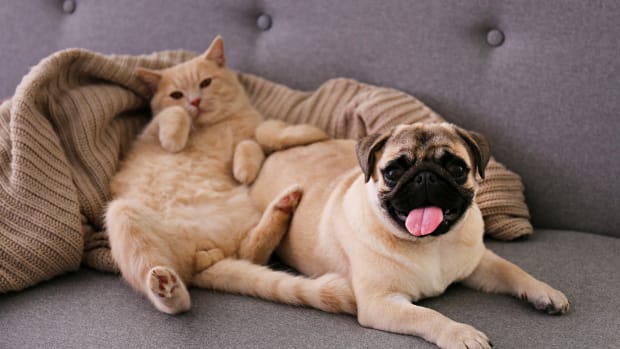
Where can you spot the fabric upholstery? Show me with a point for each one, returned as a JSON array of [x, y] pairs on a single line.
[[76, 112], [546, 97], [88, 309]]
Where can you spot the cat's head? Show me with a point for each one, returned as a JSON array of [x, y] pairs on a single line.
[[203, 86]]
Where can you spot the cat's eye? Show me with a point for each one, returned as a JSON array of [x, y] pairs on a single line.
[[176, 95], [205, 83]]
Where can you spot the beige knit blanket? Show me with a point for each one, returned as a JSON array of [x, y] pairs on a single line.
[[74, 114]]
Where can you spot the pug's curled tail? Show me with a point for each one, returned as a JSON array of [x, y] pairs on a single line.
[[330, 292]]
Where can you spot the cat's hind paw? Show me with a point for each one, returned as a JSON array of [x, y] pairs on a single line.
[[206, 255], [167, 291], [289, 201]]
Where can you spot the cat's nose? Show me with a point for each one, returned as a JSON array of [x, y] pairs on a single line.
[[195, 102]]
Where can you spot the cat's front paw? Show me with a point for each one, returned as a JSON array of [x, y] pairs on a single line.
[[275, 135], [172, 144], [247, 161], [174, 128], [547, 299], [245, 174]]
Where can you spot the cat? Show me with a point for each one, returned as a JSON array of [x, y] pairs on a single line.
[[181, 214]]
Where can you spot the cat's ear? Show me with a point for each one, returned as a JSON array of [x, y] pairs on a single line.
[[150, 77], [215, 52]]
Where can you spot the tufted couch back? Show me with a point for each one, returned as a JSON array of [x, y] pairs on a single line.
[[540, 78]]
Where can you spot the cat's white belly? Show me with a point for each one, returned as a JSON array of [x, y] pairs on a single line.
[[222, 219], [197, 200], [191, 193]]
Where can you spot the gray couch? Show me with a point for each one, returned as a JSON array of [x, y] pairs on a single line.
[[541, 79]]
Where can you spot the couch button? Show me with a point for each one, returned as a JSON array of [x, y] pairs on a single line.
[[495, 37], [68, 6], [263, 22]]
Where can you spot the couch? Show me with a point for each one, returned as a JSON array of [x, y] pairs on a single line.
[[540, 79]]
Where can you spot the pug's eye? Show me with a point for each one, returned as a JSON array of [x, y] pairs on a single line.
[[204, 83], [176, 95], [457, 170], [391, 174]]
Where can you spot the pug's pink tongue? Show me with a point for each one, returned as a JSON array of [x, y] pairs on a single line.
[[423, 221]]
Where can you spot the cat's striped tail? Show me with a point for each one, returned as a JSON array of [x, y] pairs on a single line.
[[330, 292]]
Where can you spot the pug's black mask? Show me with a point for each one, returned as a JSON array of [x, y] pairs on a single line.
[[431, 188]]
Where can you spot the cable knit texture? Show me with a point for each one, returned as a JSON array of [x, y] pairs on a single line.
[[76, 112]]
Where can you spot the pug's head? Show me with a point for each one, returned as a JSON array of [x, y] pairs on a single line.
[[424, 175]]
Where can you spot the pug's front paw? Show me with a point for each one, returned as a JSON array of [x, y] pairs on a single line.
[[463, 336], [547, 299]]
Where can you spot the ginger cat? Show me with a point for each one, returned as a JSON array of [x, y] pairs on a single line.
[[181, 214]]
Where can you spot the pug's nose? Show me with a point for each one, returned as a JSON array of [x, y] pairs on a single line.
[[425, 177]]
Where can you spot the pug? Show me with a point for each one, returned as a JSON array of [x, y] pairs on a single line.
[[395, 217]]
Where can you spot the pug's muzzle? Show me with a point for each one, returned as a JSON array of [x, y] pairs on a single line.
[[427, 201]]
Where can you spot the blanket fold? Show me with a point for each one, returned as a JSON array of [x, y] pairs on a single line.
[[76, 112]]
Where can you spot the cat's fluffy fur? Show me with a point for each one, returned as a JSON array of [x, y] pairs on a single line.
[[179, 215]]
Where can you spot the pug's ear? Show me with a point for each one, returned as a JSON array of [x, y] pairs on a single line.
[[365, 150], [478, 147], [150, 77]]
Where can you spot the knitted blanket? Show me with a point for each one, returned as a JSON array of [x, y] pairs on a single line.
[[76, 112]]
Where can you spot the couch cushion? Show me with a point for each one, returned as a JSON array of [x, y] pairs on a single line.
[[92, 309]]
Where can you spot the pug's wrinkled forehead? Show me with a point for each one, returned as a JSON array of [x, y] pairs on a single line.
[[420, 142]]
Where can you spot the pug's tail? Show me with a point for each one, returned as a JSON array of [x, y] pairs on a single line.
[[330, 292]]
